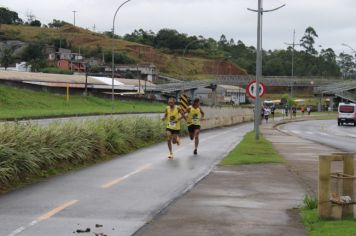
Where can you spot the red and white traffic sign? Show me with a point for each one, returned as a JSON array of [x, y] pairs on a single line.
[[252, 91]]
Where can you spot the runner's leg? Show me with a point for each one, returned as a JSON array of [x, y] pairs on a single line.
[[196, 138], [169, 142]]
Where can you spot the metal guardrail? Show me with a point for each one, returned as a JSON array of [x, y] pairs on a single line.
[[280, 81]]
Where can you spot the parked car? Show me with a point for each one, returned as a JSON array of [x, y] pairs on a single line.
[[346, 114]]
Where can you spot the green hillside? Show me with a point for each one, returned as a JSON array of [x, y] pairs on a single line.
[[18, 103], [89, 42]]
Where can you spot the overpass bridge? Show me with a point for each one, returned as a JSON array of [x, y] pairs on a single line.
[[243, 81], [345, 89]]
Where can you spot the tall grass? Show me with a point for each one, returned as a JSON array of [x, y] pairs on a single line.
[[28, 150]]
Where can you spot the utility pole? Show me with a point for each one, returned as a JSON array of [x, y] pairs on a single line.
[[293, 44], [74, 12], [260, 12]]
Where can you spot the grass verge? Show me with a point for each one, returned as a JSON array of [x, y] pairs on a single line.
[[29, 152], [250, 151], [317, 227], [18, 103]]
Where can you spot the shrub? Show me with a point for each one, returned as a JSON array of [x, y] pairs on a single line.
[[310, 202], [55, 70]]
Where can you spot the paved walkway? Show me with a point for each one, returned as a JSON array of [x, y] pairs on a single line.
[[242, 200], [249, 199], [301, 155]]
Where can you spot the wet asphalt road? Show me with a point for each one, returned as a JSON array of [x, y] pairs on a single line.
[[325, 132], [122, 194]]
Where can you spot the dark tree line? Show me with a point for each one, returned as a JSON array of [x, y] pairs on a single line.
[[308, 61], [12, 18]]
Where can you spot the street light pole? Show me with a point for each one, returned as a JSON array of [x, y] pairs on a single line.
[[293, 44], [74, 12], [260, 12], [113, 55], [183, 68], [346, 45]]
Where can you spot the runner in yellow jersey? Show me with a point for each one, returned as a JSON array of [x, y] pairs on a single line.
[[195, 114], [173, 116]]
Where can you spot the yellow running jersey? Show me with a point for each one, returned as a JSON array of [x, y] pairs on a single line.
[[173, 116], [194, 116]]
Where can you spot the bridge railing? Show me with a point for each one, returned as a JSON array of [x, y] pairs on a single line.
[[275, 81]]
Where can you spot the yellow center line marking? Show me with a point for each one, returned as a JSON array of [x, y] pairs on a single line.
[[56, 210], [119, 180]]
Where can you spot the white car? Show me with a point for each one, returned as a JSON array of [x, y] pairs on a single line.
[[347, 114]]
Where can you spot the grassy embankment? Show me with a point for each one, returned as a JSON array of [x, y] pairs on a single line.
[[193, 67], [250, 151], [30, 152], [22, 103]]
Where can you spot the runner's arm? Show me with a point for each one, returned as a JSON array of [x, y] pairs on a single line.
[[165, 115], [202, 113], [182, 113]]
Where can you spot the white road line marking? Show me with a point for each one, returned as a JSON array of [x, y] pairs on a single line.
[[324, 134], [17, 231], [295, 131], [119, 180], [309, 132]]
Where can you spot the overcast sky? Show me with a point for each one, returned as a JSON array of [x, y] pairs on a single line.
[[334, 20]]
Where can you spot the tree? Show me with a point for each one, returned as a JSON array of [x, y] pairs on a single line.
[[141, 36], [57, 24], [36, 23], [6, 57], [223, 41], [327, 63], [9, 17], [347, 64], [119, 58], [171, 39], [308, 41], [33, 51], [328, 55]]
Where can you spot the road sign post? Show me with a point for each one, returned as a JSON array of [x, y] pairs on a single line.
[[251, 89], [255, 90]]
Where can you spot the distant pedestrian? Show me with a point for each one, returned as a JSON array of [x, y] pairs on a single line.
[[302, 110], [273, 108], [267, 112], [194, 116], [286, 111], [294, 111], [262, 114], [308, 110], [173, 116]]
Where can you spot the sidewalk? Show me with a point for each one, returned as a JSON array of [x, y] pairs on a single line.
[[248, 199], [242, 200], [301, 155]]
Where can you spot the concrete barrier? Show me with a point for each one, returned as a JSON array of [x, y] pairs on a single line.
[[224, 116]]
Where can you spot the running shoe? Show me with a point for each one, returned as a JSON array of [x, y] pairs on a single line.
[[170, 156], [195, 152]]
